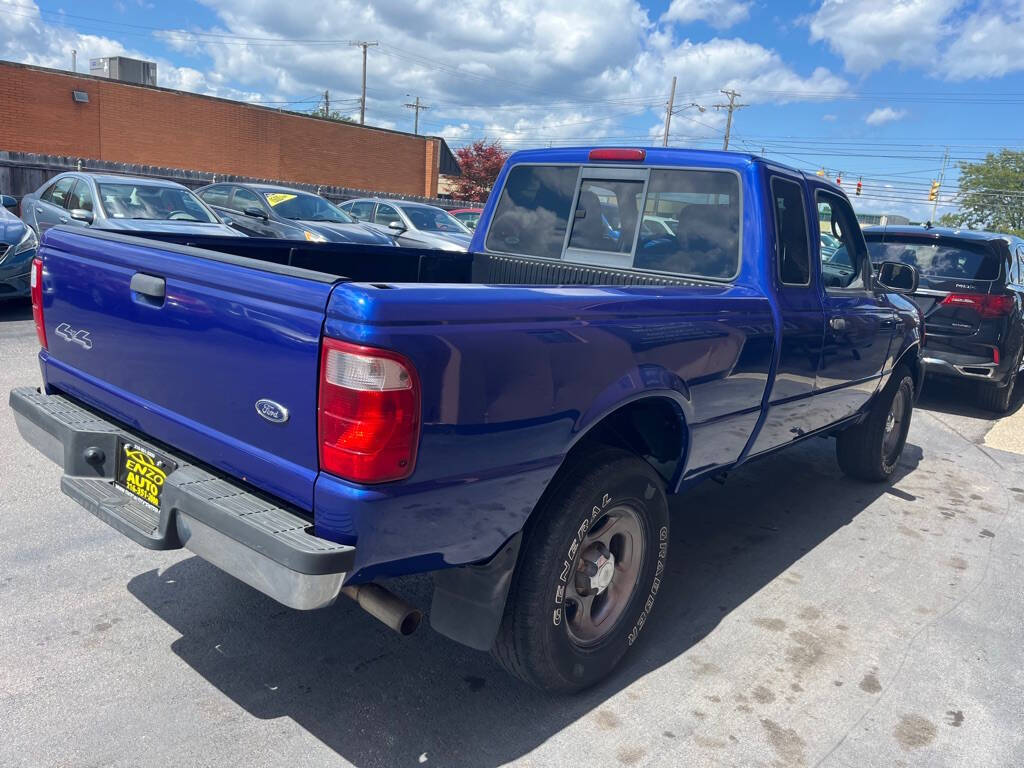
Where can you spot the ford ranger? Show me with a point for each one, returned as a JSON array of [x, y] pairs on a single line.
[[314, 419]]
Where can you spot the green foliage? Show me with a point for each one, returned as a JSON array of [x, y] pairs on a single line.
[[991, 194], [332, 115]]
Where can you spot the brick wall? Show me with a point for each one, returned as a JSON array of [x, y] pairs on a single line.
[[154, 126]]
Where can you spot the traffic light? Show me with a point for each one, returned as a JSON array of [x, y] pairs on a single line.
[[839, 179], [933, 194], [821, 171], [860, 185]]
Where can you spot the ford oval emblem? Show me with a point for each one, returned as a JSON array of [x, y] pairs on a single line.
[[272, 411]]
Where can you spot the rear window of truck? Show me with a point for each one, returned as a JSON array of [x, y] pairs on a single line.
[[688, 220], [959, 261]]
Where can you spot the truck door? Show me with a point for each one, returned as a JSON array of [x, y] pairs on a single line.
[[859, 321], [802, 317]]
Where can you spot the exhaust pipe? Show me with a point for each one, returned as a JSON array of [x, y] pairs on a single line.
[[386, 607]]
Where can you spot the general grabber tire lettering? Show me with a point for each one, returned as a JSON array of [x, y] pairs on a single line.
[[872, 449], [592, 564]]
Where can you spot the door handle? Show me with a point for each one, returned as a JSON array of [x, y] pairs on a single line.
[[837, 324], [63, 219], [150, 287]]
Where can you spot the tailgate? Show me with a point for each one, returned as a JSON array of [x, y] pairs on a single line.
[[189, 367]]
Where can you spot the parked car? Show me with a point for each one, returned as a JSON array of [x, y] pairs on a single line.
[[262, 210], [468, 216], [17, 249], [121, 204], [972, 297], [511, 420], [414, 225]]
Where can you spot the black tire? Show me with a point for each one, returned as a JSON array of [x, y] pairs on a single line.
[[870, 451], [536, 641], [996, 397]]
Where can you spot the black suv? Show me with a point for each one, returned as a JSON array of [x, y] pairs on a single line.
[[971, 295]]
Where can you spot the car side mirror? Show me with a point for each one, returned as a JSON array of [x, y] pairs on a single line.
[[256, 213], [80, 214], [8, 202], [897, 277], [397, 226]]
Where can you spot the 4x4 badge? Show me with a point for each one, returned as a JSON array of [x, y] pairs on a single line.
[[68, 333]]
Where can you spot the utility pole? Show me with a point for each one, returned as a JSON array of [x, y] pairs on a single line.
[[732, 106], [362, 101], [74, 60], [668, 111], [327, 104], [942, 177], [416, 106]]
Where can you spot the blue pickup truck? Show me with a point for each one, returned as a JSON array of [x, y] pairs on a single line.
[[512, 420]]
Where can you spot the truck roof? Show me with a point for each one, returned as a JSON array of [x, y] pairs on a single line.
[[668, 156]]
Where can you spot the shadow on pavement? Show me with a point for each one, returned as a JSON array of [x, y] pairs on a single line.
[[381, 700], [15, 309], [960, 398]]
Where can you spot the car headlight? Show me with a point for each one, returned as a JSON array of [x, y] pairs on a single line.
[[28, 242], [313, 237]]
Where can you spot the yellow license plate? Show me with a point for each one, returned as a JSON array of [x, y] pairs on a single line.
[[142, 472]]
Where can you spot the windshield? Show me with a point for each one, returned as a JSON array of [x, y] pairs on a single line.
[[429, 219], [144, 201], [306, 207], [963, 261]]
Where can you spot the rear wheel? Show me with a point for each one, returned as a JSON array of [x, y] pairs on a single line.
[[593, 561], [871, 450], [998, 398]]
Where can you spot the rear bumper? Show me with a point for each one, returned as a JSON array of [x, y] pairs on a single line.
[[978, 371], [254, 538]]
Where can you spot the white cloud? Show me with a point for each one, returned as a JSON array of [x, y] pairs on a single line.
[[720, 14], [829, 118], [523, 70], [884, 115], [952, 39]]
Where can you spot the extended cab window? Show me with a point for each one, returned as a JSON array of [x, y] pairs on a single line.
[[845, 266], [694, 219], [533, 212], [791, 248]]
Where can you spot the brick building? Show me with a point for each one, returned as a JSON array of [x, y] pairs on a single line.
[[46, 113]]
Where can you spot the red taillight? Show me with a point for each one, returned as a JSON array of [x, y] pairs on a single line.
[[369, 419], [36, 284], [985, 304], [995, 355], [634, 155]]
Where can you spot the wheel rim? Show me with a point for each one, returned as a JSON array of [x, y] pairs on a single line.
[[894, 426], [605, 575]]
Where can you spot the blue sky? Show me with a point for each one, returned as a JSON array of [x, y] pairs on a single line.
[[874, 89]]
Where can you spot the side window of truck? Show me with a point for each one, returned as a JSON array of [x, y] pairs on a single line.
[[792, 251], [844, 267]]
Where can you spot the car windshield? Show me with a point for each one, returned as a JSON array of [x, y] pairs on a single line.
[[962, 261], [305, 207], [430, 219], [127, 200]]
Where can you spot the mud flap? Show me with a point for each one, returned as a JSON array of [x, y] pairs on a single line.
[[469, 601]]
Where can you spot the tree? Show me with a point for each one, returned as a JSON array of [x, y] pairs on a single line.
[[480, 163], [991, 194], [332, 115]]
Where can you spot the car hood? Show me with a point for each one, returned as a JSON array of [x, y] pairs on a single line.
[[442, 239], [12, 229], [337, 232], [156, 225]]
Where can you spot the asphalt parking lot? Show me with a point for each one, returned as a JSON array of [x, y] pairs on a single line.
[[808, 620]]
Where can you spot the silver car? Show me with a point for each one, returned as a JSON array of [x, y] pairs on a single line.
[[120, 204], [413, 225]]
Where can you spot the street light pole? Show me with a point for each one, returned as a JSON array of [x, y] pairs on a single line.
[[668, 112]]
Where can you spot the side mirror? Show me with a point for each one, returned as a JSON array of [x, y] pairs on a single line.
[[397, 226], [8, 202], [256, 213], [897, 277], [80, 214]]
